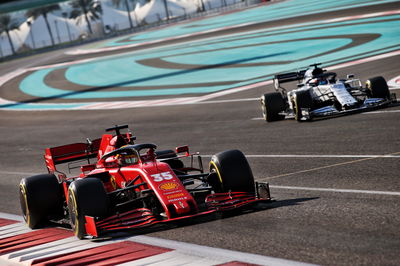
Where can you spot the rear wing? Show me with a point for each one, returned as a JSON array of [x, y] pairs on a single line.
[[70, 152], [288, 77]]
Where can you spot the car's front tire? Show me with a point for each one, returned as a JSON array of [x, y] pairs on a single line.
[[272, 105], [40, 199], [86, 197], [302, 100], [377, 88], [231, 172]]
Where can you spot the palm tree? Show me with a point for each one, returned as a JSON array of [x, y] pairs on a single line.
[[91, 9], [8, 24], [43, 11], [166, 9], [118, 3]]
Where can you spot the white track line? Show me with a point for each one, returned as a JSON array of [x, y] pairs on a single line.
[[375, 192], [11, 217], [231, 100], [174, 258], [364, 60], [259, 156], [18, 173], [314, 156], [216, 253], [394, 83], [382, 112], [365, 113]]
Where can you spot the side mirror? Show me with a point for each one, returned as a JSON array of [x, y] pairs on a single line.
[[111, 162], [182, 149], [313, 83]]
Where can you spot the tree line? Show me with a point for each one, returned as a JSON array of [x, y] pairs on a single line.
[[87, 10]]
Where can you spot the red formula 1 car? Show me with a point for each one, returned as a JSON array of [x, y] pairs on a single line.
[[132, 185]]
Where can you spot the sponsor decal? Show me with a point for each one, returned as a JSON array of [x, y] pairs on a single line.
[[113, 182], [178, 199], [172, 192], [169, 186], [162, 176], [176, 195]]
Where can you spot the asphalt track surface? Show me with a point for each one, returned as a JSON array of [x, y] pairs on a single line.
[[335, 181]]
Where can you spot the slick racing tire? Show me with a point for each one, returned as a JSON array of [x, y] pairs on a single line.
[[230, 171], [377, 88], [302, 100], [40, 199], [86, 197], [272, 104]]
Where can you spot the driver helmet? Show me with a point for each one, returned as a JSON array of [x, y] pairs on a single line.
[[127, 159], [323, 81]]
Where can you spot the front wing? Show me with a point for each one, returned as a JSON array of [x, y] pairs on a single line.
[[143, 217], [370, 104]]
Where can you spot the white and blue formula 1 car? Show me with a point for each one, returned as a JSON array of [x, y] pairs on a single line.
[[320, 94]]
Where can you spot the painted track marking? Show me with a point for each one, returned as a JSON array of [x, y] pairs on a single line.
[[357, 191], [188, 248], [325, 167], [17, 173], [394, 83], [70, 249], [225, 28], [98, 105], [316, 156], [382, 112]]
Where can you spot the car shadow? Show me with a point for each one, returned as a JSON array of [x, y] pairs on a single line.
[[261, 206]]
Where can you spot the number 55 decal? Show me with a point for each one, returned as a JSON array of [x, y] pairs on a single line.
[[162, 176]]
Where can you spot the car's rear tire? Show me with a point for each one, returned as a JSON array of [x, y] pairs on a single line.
[[272, 104], [231, 171], [377, 88], [86, 197], [301, 100], [40, 199]]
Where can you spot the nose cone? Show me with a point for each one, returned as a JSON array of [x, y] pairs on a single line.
[[181, 207]]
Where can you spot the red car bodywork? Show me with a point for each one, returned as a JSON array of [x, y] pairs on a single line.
[[148, 175]]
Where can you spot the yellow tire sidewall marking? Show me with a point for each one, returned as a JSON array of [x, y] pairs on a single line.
[[76, 211], [27, 215], [216, 169]]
